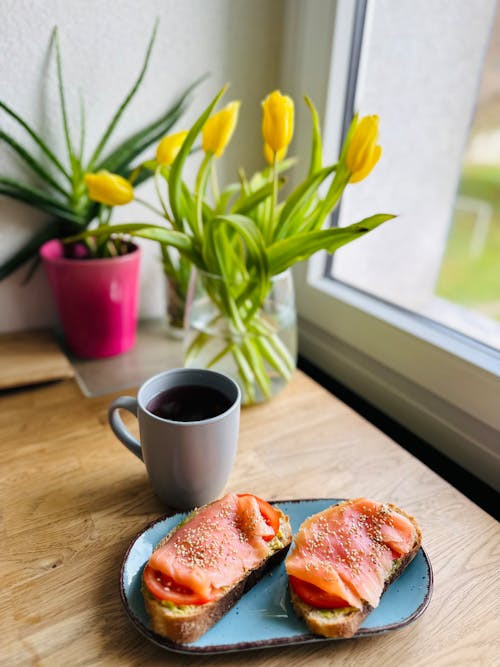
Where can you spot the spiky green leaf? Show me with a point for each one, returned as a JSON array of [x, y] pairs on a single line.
[[36, 138], [120, 158], [29, 249], [32, 163], [102, 143], [67, 135], [37, 199]]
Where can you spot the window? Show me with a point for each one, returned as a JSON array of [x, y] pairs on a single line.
[[470, 272], [426, 103], [378, 316]]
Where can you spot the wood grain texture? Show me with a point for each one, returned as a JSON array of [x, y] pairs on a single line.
[[73, 498], [31, 357]]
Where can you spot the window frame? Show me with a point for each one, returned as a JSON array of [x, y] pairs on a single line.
[[438, 383]]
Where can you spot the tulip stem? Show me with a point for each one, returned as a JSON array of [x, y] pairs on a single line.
[[150, 206], [214, 184], [333, 195], [104, 215], [163, 203], [201, 186], [274, 199]]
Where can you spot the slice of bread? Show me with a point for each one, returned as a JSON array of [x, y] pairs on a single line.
[[185, 624], [344, 622]]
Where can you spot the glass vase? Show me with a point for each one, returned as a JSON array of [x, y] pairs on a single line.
[[175, 307], [252, 339]]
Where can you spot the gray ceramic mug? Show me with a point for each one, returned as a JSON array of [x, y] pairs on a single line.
[[188, 462]]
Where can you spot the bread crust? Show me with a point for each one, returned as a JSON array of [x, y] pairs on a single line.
[[187, 627], [346, 622]]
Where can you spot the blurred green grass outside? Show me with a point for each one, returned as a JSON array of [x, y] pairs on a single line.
[[465, 279]]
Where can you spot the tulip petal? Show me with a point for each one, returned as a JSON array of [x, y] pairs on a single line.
[[269, 154], [109, 189], [169, 147], [368, 166], [362, 152], [219, 128], [277, 120]]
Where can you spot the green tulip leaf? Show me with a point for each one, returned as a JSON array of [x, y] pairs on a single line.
[[175, 180], [348, 137], [256, 363], [225, 197], [316, 147], [283, 254], [298, 201], [332, 198], [246, 203], [254, 264], [145, 230]]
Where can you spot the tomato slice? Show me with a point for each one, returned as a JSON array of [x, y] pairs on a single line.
[[314, 596], [270, 514], [165, 588]]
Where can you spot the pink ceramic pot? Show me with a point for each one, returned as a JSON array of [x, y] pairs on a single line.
[[97, 300]]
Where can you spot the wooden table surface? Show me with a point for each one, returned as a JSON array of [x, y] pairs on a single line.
[[73, 498]]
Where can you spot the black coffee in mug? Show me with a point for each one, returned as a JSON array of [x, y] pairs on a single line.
[[189, 403]]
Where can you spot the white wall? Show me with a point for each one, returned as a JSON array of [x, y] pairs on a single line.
[[103, 44]]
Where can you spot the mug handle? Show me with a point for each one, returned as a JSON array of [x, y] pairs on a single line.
[[119, 428]]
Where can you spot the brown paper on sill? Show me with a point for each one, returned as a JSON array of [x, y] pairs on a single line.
[[31, 357]]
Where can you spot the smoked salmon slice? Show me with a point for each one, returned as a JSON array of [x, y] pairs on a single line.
[[216, 547], [349, 549]]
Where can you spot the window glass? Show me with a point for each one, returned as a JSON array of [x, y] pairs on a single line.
[[470, 271], [435, 83]]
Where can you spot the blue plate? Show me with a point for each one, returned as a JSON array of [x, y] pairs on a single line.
[[264, 616]]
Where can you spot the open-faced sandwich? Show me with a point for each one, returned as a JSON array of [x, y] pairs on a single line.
[[206, 563], [344, 558]]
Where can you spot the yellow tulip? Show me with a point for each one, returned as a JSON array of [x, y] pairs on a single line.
[[169, 147], [219, 129], [363, 152], [269, 154], [109, 189], [277, 120]]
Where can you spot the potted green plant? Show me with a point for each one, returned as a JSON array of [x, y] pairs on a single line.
[[243, 240], [74, 195]]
